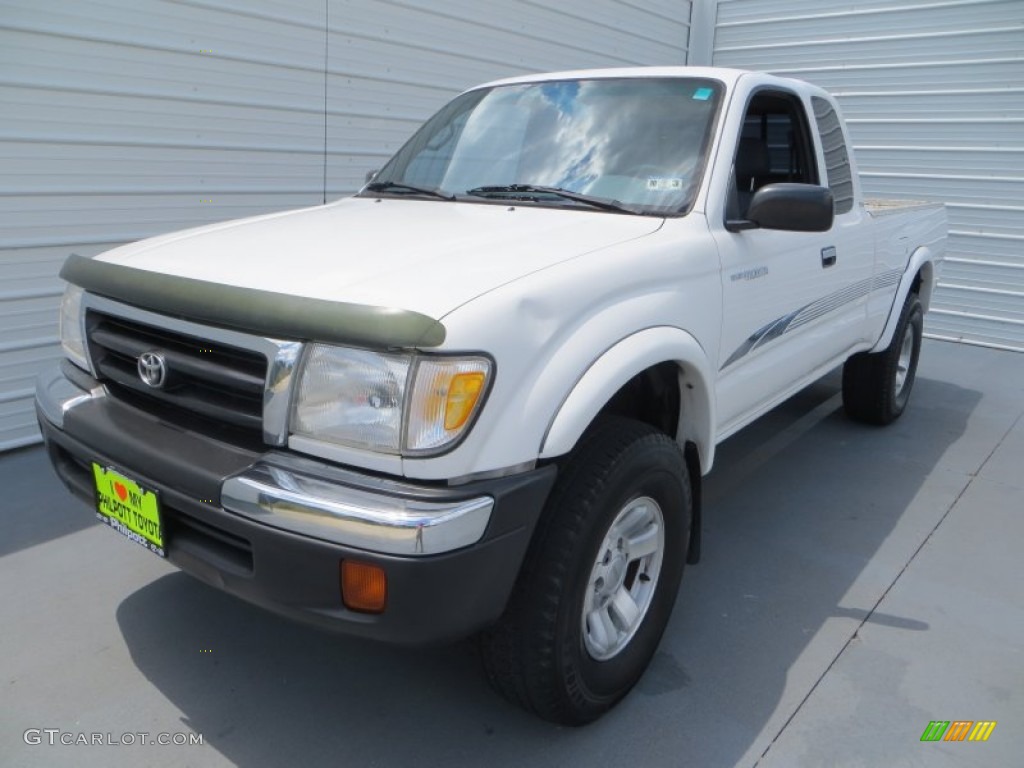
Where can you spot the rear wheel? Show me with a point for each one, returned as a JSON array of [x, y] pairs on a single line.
[[600, 579], [876, 387]]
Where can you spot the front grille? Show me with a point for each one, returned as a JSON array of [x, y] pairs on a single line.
[[206, 380], [215, 545]]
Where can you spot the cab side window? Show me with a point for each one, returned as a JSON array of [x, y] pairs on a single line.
[[774, 146], [837, 160]]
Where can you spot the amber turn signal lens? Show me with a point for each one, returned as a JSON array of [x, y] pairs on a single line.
[[463, 393], [364, 587]]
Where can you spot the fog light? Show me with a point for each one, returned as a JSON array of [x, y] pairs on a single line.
[[364, 587]]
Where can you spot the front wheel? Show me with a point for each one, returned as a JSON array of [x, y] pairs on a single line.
[[876, 387], [600, 579]]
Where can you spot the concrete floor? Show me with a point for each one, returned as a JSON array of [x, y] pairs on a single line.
[[857, 583]]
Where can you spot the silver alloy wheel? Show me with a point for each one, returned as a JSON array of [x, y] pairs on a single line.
[[624, 578], [903, 363]]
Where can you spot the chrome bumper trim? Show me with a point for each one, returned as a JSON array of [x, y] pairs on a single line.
[[56, 394], [350, 516]]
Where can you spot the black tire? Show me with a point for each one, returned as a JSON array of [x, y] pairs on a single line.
[[537, 655], [876, 387]]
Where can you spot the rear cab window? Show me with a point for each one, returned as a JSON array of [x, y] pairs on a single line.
[[837, 158]]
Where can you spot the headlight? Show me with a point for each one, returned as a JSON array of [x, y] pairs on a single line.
[[400, 404], [352, 397], [71, 339]]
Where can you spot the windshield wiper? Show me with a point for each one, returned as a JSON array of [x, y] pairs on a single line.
[[401, 186], [527, 191]]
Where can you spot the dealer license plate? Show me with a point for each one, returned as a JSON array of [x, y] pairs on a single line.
[[129, 509]]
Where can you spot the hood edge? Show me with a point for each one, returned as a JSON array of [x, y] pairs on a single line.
[[252, 310]]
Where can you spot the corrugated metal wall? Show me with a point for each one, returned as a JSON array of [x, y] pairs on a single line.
[[933, 91], [127, 118]]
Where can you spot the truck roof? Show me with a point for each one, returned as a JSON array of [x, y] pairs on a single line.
[[726, 75]]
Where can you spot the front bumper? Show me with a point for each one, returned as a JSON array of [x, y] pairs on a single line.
[[273, 527]]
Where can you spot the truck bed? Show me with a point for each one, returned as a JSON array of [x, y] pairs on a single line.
[[886, 206], [900, 228]]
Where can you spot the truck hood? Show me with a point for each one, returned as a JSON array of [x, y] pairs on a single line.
[[425, 256]]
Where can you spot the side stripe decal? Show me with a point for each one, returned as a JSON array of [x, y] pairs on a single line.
[[812, 311]]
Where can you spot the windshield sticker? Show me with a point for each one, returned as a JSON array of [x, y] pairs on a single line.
[[665, 185], [703, 94]]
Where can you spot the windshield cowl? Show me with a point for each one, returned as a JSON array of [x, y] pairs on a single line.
[[537, 193], [402, 188]]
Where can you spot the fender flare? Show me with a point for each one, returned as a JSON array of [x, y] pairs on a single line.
[[621, 362], [921, 260]]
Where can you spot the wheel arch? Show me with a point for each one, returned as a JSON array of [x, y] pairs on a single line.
[[646, 361], [919, 277]]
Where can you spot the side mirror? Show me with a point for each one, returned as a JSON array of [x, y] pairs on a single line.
[[370, 176], [792, 207]]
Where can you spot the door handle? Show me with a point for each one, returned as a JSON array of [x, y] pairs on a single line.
[[828, 257]]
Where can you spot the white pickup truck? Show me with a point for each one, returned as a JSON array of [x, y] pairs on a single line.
[[479, 396]]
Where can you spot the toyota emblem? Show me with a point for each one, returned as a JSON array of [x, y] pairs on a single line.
[[152, 369]]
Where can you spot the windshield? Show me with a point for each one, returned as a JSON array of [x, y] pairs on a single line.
[[637, 143]]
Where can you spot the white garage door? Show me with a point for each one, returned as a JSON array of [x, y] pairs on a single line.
[[122, 119], [934, 95]]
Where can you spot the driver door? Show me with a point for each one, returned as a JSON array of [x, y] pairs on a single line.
[[776, 285]]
